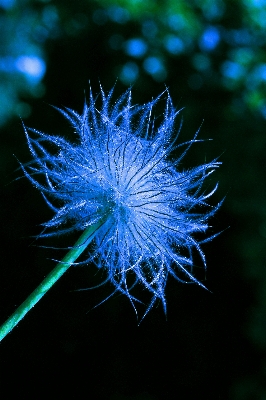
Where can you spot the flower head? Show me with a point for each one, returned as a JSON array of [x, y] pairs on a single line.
[[120, 172]]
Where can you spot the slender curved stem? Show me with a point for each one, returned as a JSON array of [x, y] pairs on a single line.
[[50, 279]]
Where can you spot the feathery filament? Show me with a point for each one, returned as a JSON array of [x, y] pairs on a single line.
[[120, 172]]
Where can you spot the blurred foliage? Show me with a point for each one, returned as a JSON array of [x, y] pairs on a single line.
[[212, 56], [221, 43]]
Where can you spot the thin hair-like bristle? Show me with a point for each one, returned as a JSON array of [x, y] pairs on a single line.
[[120, 171]]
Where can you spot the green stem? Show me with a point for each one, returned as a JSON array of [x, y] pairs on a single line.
[[50, 279]]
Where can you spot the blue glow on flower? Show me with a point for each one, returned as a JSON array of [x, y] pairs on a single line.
[[136, 47], [210, 39], [32, 66], [120, 172]]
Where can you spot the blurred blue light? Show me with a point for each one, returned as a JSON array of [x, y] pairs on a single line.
[[260, 72], [6, 4], [258, 3], [32, 66], [152, 65], [135, 47], [118, 14], [232, 70], [7, 64], [173, 44], [256, 76], [155, 67], [214, 9], [263, 111], [240, 37], [129, 73], [50, 16], [176, 22], [209, 39], [261, 17]]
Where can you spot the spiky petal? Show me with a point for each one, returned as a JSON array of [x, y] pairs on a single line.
[[120, 171]]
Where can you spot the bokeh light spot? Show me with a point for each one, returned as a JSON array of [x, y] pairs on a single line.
[[176, 22], [209, 39], [135, 47], [6, 4], [173, 44], [232, 70], [33, 67], [155, 67], [213, 9], [129, 73], [118, 14]]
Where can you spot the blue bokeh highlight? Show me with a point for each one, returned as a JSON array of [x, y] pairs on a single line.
[[136, 47], [210, 39]]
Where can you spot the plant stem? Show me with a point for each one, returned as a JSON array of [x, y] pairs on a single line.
[[50, 279]]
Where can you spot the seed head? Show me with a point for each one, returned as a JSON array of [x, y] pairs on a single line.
[[120, 172]]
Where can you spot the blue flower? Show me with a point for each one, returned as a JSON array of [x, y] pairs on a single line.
[[120, 172]]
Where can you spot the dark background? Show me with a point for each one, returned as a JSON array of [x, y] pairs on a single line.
[[212, 57]]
